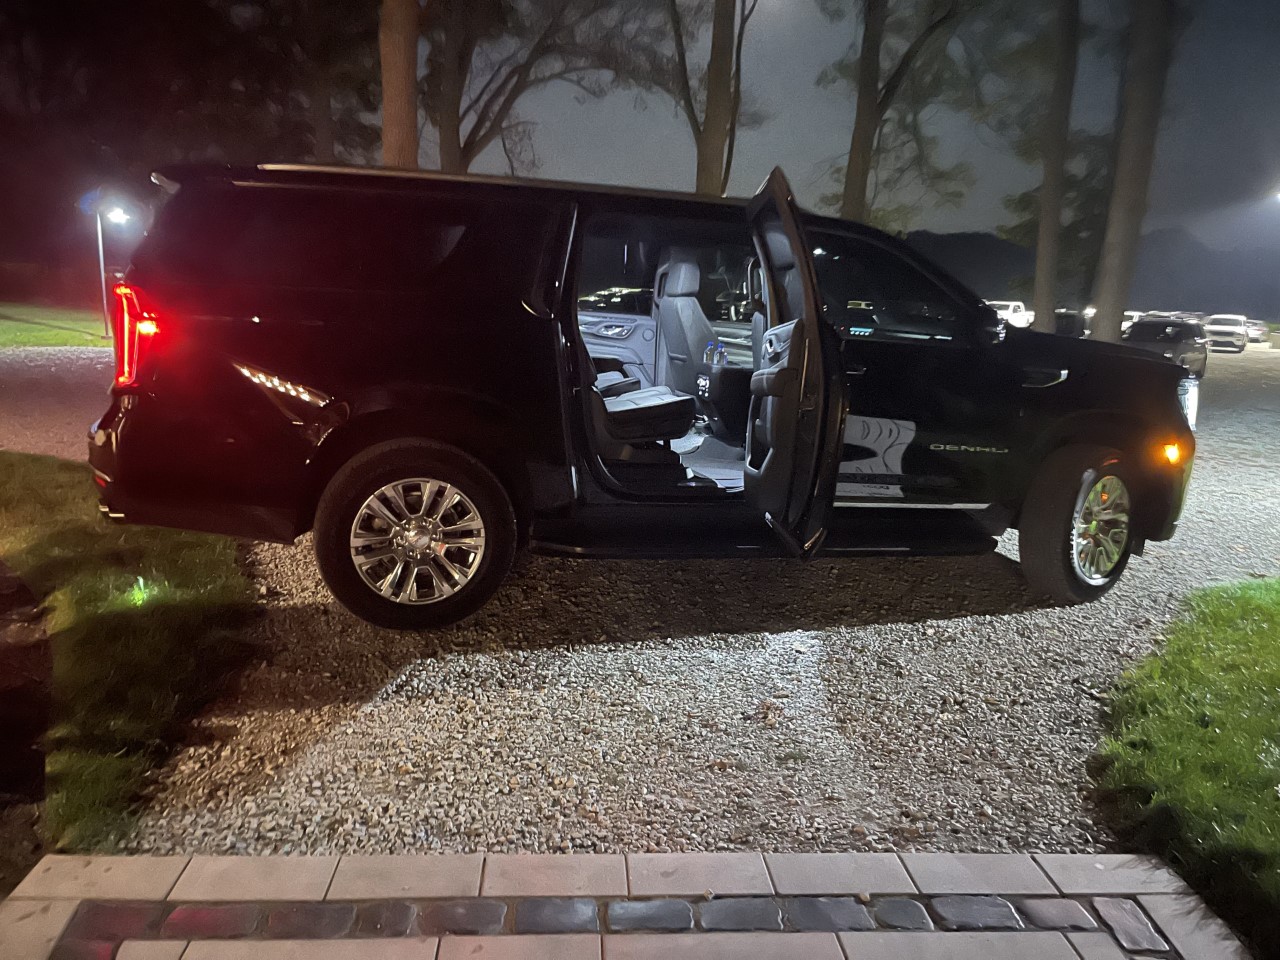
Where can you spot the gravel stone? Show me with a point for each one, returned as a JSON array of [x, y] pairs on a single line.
[[878, 704], [900, 913], [664, 915], [741, 913], [1129, 924], [1055, 914], [557, 915], [976, 913], [827, 914]]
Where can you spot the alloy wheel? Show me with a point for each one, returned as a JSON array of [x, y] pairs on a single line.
[[417, 541], [1100, 528]]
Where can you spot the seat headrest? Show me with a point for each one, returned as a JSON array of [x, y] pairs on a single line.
[[683, 276]]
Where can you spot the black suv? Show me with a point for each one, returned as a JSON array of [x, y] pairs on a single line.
[[404, 364]]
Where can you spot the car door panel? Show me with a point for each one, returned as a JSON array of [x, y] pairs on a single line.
[[626, 337], [798, 397]]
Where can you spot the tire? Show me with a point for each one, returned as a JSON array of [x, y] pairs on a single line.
[[1046, 534], [426, 555]]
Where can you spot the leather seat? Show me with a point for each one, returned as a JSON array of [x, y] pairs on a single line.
[[643, 416], [683, 329]]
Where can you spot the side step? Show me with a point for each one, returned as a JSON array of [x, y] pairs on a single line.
[[664, 536]]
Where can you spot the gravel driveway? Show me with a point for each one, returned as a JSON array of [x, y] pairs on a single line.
[[851, 704], [50, 395]]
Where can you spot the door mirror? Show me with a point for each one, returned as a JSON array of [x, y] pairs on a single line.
[[991, 325]]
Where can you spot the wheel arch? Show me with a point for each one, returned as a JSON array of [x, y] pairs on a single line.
[[481, 430], [1126, 433]]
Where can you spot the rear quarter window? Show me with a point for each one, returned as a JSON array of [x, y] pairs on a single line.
[[340, 239]]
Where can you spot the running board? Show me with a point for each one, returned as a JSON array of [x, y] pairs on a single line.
[[851, 533]]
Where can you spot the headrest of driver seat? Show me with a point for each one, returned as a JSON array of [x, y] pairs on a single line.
[[683, 275]]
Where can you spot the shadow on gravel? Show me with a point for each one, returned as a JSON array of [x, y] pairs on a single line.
[[328, 655]]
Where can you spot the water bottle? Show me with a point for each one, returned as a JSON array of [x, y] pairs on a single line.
[[722, 354], [709, 354]]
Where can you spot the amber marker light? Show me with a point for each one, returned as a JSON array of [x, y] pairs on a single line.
[[1172, 453]]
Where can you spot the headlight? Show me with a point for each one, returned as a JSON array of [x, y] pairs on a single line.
[[1189, 399]]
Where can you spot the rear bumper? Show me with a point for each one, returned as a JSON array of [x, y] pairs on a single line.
[[131, 489], [1228, 340]]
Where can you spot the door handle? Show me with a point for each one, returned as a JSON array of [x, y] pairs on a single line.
[[1041, 377], [855, 369]]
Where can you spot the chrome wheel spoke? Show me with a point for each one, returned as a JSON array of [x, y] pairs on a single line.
[[1100, 527], [443, 587], [389, 586], [402, 533], [381, 510]]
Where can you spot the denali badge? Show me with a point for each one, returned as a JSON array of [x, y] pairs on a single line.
[[964, 448]]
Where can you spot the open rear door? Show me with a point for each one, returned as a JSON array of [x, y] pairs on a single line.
[[796, 425]]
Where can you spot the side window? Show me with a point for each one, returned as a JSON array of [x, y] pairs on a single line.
[[615, 275], [343, 240], [868, 291]]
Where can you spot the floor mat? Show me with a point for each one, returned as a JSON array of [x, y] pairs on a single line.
[[716, 460], [689, 443]]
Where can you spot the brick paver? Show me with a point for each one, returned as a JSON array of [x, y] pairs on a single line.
[[30, 928], [1110, 873], [567, 946], [609, 907], [722, 946], [976, 873], [406, 949], [832, 874], [408, 878], [693, 874], [554, 875], [255, 878], [101, 878], [957, 946], [1096, 946], [1192, 929], [151, 950]]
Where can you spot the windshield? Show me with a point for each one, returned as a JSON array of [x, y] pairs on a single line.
[[1148, 332], [1237, 322]]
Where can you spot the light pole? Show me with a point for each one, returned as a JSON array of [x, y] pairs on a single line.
[[118, 216]]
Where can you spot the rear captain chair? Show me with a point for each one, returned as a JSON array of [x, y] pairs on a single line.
[[683, 329]]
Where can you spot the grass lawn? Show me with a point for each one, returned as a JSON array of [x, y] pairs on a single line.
[[143, 623], [23, 325], [1194, 758]]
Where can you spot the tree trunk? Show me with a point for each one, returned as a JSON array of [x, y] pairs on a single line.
[[719, 113], [1151, 35], [398, 32], [857, 173], [1055, 138], [320, 110]]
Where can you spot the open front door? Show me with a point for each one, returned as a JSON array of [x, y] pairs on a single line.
[[796, 424]]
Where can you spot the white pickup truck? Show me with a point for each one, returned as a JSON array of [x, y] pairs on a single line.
[[1013, 312]]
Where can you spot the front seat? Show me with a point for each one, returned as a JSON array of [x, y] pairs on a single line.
[[683, 329]]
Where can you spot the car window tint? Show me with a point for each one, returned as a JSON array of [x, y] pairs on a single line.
[[868, 291], [332, 240]]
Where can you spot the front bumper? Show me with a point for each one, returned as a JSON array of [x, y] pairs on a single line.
[[1228, 340]]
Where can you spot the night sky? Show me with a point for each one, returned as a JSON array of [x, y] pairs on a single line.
[[1217, 166]]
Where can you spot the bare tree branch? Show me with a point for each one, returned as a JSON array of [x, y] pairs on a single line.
[[682, 60]]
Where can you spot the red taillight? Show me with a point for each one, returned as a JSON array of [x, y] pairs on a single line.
[[135, 326]]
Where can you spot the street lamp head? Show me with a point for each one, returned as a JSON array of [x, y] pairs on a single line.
[[118, 216]]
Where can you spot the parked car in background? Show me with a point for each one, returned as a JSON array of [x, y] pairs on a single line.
[[1012, 312], [1228, 331], [1258, 331], [1181, 341], [1071, 323]]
